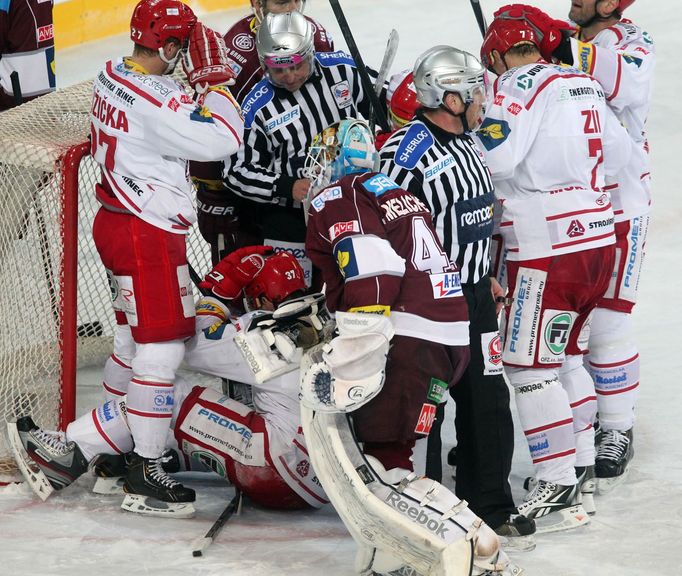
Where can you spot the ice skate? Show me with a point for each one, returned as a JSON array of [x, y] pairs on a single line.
[[614, 453], [554, 507], [149, 490], [111, 470], [45, 459], [588, 485], [516, 534]]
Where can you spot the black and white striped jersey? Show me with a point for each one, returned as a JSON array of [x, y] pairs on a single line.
[[279, 127], [449, 174]]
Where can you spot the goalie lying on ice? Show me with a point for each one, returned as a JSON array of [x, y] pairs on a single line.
[[260, 449], [370, 393]]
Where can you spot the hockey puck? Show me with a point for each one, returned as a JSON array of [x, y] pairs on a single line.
[[197, 553]]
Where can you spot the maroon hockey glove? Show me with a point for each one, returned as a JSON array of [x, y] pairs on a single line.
[[549, 32], [236, 271], [206, 62]]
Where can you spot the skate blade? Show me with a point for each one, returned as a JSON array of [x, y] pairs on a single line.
[[565, 519], [29, 469], [112, 486], [152, 507], [607, 485], [517, 543]]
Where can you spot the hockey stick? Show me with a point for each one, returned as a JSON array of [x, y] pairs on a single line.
[[386, 63], [200, 544], [367, 85], [480, 19], [16, 88]]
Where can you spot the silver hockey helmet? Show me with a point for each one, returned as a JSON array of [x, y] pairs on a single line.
[[260, 7], [444, 69], [285, 41]]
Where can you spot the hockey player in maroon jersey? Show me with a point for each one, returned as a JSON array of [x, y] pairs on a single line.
[[402, 342], [259, 448], [27, 48]]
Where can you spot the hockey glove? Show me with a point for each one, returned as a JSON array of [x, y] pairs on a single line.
[[206, 62], [549, 32], [236, 271], [348, 372]]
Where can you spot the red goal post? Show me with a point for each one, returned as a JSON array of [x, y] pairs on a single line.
[[55, 309]]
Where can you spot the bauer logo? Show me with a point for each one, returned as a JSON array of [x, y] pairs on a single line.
[[284, 119], [414, 144]]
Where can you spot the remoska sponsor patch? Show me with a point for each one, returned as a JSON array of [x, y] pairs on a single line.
[[342, 228]]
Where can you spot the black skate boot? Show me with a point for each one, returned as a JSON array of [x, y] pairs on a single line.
[[149, 490], [516, 534], [111, 470], [46, 460], [587, 484], [613, 457], [554, 507]]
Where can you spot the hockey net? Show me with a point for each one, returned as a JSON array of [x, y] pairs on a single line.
[[55, 310]]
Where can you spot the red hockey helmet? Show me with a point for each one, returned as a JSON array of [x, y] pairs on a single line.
[[155, 21], [624, 5], [505, 33], [279, 278], [403, 103]]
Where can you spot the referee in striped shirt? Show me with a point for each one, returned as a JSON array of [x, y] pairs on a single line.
[[433, 157], [302, 93]]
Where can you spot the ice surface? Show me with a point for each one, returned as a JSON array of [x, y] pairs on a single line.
[[637, 528]]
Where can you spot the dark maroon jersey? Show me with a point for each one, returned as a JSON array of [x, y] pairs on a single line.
[[376, 247], [241, 45]]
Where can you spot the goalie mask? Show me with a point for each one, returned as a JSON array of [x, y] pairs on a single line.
[[345, 147], [155, 22]]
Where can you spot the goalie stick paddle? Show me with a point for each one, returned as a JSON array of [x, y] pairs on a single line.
[[386, 63], [367, 86], [200, 544], [480, 19]]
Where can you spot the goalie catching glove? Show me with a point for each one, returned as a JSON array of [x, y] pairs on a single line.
[[349, 371], [206, 62], [273, 343]]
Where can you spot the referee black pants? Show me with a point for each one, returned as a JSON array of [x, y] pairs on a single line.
[[483, 423]]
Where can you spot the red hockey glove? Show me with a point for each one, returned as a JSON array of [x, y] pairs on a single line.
[[206, 62], [549, 32], [236, 271]]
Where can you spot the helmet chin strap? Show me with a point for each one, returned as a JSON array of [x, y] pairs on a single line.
[[171, 63], [462, 115]]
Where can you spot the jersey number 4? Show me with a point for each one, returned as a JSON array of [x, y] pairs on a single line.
[[427, 255]]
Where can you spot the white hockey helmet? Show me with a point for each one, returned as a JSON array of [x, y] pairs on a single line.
[[285, 41], [444, 69]]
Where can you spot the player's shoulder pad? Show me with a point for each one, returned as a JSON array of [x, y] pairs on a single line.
[[378, 184], [415, 140], [260, 95], [328, 194], [331, 59]]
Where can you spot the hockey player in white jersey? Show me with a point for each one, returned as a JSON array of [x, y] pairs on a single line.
[[260, 449], [144, 129], [549, 138], [620, 56]]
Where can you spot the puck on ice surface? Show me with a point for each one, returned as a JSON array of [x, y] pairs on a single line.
[[196, 553]]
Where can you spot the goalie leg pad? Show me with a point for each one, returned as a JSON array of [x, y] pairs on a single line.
[[419, 522]]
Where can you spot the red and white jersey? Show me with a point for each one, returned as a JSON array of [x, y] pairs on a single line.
[[622, 59], [548, 139], [378, 252], [144, 128], [241, 45], [213, 351]]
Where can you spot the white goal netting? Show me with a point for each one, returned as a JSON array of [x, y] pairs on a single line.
[[47, 198]]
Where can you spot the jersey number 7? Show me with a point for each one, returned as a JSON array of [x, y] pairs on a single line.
[[101, 138]]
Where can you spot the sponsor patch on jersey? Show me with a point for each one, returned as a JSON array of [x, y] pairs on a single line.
[[259, 96], [437, 390], [244, 42], [585, 57], [284, 119], [575, 229], [345, 258], [499, 98], [433, 171], [329, 59], [446, 285], [521, 336], [414, 144], [633, 60], [174, 105], [475, 218], [427, 416], [491, 345], [342, 94], [45, 33], [327, 195], [514, 109], [379, 184], [493, 132], [201, 114], [209, 460], [524, 81], [215, 330], [236, 68], [555, 331], [340, 228]]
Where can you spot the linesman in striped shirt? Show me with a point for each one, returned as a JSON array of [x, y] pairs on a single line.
[[434, 158], [302, 93]]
